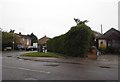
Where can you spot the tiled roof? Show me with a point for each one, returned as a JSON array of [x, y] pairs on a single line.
[[44, 37], [43, 40], [24, 36], [110, 32]]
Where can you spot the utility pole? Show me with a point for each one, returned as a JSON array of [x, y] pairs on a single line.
[[101, 29]]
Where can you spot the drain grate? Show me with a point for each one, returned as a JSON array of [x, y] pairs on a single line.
[[104, 67]]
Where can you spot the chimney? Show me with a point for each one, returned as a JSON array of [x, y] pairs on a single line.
[[19, 33]]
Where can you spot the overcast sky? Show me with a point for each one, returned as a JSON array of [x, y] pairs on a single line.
[[55, 17]]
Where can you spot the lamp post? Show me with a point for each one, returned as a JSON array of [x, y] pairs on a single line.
[[13, 45]]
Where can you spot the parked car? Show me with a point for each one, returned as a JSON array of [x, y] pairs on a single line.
[[31, 48], [20, 47], [7, 48]]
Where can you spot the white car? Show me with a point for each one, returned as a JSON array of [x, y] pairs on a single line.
[[31, 48], [7, 48]]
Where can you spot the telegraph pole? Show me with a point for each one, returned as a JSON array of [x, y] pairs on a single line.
[[101, 29]]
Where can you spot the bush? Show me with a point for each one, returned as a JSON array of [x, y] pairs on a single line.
[[112, 50]]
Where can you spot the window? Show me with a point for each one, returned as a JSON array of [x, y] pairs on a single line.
[[27, 41], [109, 43], [23, 39]]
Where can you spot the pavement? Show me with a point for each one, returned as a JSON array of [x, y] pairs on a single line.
[[101, 60]]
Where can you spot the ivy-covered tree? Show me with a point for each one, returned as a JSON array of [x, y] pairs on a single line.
[[76, 42], [12, 31]]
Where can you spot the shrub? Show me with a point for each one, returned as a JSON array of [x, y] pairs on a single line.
[[112, 50]]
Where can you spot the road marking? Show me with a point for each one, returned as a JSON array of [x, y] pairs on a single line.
[[30, 79], [27, 69]]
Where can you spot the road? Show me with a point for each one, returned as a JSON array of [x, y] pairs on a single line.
[[18, 69]]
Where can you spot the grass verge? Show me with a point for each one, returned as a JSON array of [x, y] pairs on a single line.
[[41, 54]]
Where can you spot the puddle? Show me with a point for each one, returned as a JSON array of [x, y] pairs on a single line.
[[104, 67], [52, 64], [9, 56]]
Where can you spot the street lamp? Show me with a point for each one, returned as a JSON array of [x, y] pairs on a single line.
[[13, 45], [13, 42]]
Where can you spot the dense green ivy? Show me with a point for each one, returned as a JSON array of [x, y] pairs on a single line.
[[76, 42]]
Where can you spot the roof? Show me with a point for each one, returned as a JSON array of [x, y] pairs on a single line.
[[24, 36], [43, 40], [111, 33], [97, 34], [44, 37]]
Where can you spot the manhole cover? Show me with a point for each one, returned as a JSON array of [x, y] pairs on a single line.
[[52, 64], [104, 67]]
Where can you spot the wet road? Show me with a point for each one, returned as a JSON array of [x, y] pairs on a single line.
[[18, 69]]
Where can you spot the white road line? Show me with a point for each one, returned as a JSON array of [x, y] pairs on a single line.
[[27, 69]]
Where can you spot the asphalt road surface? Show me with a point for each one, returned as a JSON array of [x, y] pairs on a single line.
[[19, 69]]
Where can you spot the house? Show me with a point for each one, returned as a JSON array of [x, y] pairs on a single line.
[[97, 34], [24, 41], [42, 42], [110, 40]]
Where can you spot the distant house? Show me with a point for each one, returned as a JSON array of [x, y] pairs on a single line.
[[110, 39], [24, 41], [97, 34], [42, 42]]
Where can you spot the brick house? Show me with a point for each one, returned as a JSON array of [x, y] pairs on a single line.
[[24, 41], [42, 42]]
